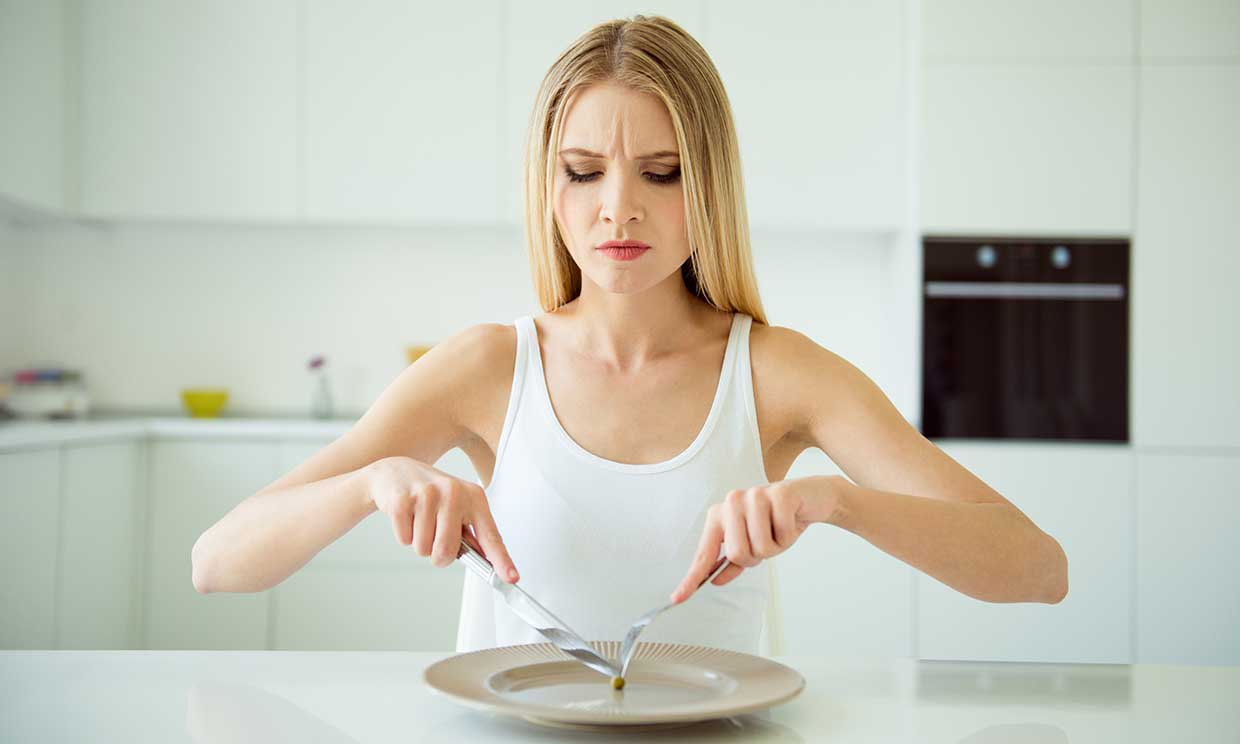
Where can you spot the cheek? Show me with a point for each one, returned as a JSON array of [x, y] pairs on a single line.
[[672, 216], [567, 206]]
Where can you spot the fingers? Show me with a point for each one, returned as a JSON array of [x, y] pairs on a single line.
[[735, 533], [758, 523], [447, 531], [750, 525], [402, 521], [727, 574], [784, 519], [424, 521], [492, 545], [705, 559]]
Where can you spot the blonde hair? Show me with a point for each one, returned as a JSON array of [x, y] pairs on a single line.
[[649, 54]]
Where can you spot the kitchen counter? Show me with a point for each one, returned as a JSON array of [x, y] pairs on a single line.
[[18, 434], [276, 696]]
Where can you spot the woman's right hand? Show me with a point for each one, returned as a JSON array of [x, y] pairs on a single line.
[[431, 510]]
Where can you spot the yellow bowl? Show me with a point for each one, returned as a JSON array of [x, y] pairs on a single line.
[[413, 353], [204, 402]]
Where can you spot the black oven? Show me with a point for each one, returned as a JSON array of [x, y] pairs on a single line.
[[1025, 338]]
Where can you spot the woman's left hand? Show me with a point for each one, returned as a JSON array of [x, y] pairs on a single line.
[[757, 523]]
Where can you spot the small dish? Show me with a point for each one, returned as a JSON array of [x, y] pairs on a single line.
[[204, 402]]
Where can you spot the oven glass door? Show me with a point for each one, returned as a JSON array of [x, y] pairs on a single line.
[[1025, 360]]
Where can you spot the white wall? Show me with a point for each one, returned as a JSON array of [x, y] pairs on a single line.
[[143, 310]]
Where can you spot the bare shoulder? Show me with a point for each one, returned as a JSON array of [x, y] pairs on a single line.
[[479, 347], [797, 380], [477, 365], [432, 406], [450, 396]]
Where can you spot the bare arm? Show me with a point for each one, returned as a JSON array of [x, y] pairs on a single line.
[[986, 550], [273, 533], [912, 500]]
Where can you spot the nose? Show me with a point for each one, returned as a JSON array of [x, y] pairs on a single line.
[[620, 199]]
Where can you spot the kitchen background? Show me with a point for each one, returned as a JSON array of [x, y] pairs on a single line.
[[208, 194]]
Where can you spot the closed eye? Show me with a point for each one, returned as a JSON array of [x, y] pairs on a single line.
[[576, 177]]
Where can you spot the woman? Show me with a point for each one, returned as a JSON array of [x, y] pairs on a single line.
[[643, 424]]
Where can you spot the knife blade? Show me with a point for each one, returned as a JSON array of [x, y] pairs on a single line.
[[538, 617]]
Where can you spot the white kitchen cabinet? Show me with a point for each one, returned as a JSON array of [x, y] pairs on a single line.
[[954, 30], [537, 34], [1176, 29], [101, 548], [818, 91], [193, 483], [367, 591], [402, 110], [33, 94], [1186, 352], [841, 597], [400, 606], [1026, 148], [1081, 495], [29, 511], [189, 110], [1188, 591]]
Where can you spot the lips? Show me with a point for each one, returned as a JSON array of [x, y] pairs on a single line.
[[623, 244], [623, 250]]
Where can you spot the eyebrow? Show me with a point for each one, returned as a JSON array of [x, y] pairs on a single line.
[[589, 154]]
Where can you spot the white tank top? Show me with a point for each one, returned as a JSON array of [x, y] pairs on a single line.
[[600, 542]]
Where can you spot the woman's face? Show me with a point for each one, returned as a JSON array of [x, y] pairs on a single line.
[[618, 178]]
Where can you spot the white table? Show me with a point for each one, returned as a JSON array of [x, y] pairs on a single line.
[[297, 696]]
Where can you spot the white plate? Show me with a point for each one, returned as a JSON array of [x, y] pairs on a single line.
[[667, 684]]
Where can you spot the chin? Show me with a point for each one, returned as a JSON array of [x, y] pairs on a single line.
[[619, 282]]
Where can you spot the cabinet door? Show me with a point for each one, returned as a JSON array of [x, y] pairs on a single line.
[[1186, 352], [193, 483], [366, 591], [1081, 496], [1024, 30], [29, 515], [100, 548], [32, 103], [1188, 591], [818, 92], [402, 606], [1175, 29], [189, 110], [401, 110], [1027, 148], [839, 596]]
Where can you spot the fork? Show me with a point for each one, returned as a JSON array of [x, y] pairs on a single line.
[[630, 640]]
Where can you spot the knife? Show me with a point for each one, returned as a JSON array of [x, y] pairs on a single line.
[[539, 618]]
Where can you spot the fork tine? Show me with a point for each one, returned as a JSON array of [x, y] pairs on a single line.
[[629, 644]]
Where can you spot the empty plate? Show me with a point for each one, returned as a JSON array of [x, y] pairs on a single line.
[[667, 683]]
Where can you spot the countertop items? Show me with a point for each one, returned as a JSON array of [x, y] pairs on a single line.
[[265, 696]]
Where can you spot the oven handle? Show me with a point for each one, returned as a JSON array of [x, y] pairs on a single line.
[[1026, 290]]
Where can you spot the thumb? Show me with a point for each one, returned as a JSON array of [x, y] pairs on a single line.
[[493, 547]]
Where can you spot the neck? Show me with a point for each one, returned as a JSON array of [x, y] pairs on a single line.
[[627, 331]]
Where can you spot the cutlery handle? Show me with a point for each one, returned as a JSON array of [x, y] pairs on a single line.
[[724, 563], [474, 561]]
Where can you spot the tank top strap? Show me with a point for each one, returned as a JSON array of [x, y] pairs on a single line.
[[520, 374], [742, 382]]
